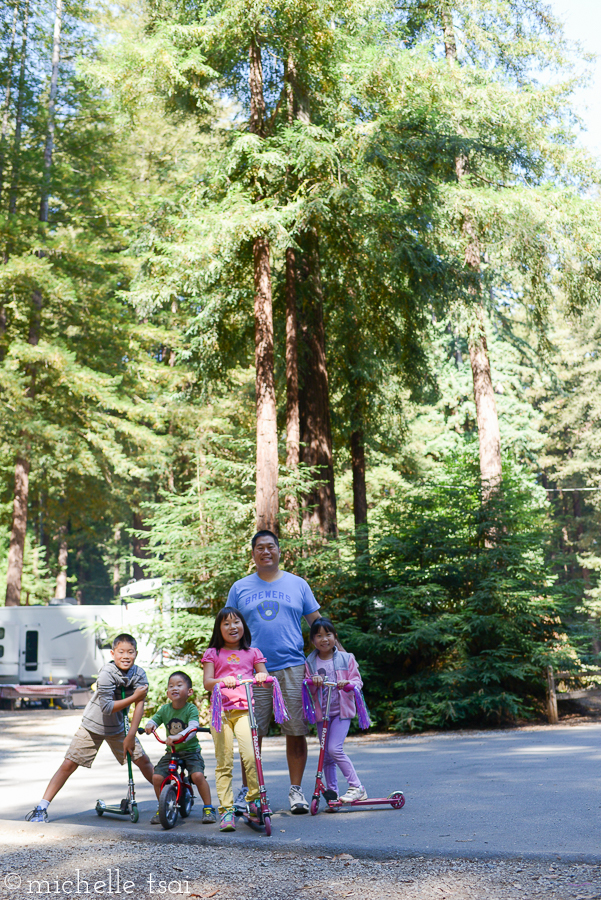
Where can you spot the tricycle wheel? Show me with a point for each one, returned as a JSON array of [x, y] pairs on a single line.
[[187, 801], [267, 824], [134, 815], [314, 806], [397, 799], [168, 805]]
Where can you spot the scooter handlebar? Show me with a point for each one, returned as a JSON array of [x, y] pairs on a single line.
[[267, 680], [323, 683], [161, 741]]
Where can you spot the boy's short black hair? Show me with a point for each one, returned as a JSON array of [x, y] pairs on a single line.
[[265, 533], [183, 675], [124, 639]]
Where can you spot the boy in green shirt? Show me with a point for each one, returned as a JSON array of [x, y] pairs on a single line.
[[180, 718]]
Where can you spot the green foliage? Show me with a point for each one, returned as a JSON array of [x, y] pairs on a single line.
[[157, 690], [38, 583], [130, 386], [185, 636], [199, 534], [454, 617]]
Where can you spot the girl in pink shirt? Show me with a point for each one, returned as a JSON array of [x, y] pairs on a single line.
[[231, 658]]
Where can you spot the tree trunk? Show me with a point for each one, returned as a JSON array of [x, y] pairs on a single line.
[[359, 491], [17, 536], [7, 94], [63, 554], [267, 432], [267, 502], [255, 83], [489, 437], [116, 562], [139, 547], [19, 523], [16, 160], [298, 101], [304, 318], [49, 145], [292, 403], [319, 507]]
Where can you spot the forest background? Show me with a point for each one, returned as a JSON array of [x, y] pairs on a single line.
[[330, 268]]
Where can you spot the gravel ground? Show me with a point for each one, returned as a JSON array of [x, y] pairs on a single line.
[[48, 864]]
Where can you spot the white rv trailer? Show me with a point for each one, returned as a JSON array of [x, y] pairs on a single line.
[[62, 643]]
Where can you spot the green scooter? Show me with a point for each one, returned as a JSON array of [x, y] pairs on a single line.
[[128, 806]]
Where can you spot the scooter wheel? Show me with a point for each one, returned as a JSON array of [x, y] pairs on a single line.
[[168, 806], [267, 824], [397, 799], [100, 808], [314, 808], [134, 815]]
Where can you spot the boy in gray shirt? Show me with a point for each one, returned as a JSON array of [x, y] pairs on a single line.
[[103, 721]]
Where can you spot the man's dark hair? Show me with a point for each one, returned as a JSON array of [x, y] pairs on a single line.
[[124, 639], [217, 641], [265, 533], [183, 675]]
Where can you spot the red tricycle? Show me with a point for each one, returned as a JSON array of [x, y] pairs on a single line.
[[176, 794], [396, 799]]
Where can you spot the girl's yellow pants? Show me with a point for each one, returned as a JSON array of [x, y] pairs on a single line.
[[234, 723]]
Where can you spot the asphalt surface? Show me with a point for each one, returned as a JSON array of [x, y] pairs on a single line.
[[531, 792]]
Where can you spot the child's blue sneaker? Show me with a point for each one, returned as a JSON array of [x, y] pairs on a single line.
[[37, 815], [208, 815]]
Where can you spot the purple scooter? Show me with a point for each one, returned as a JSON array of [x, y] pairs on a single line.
[[396, 799]]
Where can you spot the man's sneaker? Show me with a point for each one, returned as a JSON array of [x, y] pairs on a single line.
[[254, 811], [240, 804], [354, 793], [298, 804], [156, 819], [208, 815], [37, 815], [228, 821]]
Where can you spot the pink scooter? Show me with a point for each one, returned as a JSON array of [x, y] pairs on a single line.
[[281, 715], [396, 799]]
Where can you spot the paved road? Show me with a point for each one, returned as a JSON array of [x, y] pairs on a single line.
[[526, 792]]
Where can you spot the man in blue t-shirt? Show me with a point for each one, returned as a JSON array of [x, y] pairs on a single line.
[[273, 603]]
